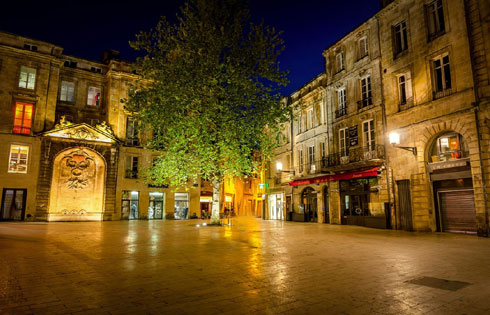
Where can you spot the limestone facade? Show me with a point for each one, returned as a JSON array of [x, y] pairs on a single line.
[[72, 152], [428, 68]]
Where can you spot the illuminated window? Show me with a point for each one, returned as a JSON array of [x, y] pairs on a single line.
[[23, 118], [18, 158], [341, 100], [400, 37], [435, 19], [93, 98], [27, 79], [448, 147], [67, 91]]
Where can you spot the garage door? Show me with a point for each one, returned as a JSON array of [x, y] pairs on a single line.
[[458, 211]]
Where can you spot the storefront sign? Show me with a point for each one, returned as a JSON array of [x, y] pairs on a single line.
[[447, 164], [353, 138], [328, 178]]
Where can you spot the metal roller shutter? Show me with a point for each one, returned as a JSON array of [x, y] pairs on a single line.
[[458, 211]]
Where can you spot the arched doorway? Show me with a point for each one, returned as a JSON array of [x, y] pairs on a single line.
[[77, 186], [308, 200], [326, 210], [450, 174]]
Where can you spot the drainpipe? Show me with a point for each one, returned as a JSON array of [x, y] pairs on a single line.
[[383, 113], [477, 121]]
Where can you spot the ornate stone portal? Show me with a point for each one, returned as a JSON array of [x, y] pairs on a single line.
[[77, 186]]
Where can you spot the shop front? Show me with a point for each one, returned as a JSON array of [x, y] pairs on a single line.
[[275, 209], [181, 206], [156, 206], [452, 183]]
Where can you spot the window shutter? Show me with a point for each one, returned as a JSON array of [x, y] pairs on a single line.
[[408, 85]]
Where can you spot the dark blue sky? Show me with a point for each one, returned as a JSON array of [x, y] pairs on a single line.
[[86, 28]]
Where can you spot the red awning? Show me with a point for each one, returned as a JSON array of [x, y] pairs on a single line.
[[329, 178]]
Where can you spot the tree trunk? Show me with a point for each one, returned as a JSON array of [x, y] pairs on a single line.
[[215, 205]]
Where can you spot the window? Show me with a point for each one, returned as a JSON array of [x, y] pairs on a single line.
[[401, 42], [363, 47], [369, 138], [131, 167], [343, 137], [323, 154], [340, 61], [23, 118], [67, 91], [95, 69], [132, 132], [300, 160], [450, 146], [341, 100], [18, 158], [288, 134], [309, 118], [404, 90], [93, 98], [366, 97], [27, 79], [442, 76], [311, 154], [30, 47], [435, 19], [300, 123], [70, 63]]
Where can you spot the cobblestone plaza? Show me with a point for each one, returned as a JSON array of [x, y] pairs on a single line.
[[253, 266]]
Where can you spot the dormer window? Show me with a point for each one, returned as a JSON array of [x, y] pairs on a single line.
[[30, 47], [70, 63]]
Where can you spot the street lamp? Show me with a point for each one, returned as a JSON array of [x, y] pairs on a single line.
[[395, 141]]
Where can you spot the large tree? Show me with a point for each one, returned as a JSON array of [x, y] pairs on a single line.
[[209, 92]]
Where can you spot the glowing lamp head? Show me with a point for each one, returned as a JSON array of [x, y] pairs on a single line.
[[279, 166], [394, 138]]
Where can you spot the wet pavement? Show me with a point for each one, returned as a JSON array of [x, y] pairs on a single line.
[[254, 266]]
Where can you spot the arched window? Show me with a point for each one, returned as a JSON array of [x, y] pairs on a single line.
[[449, 146]]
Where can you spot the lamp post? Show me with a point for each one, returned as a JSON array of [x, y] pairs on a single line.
[[395, 141]]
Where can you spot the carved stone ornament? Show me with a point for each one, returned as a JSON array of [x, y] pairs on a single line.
[[77, 162], [74, 212], [104, 127], [63, 123], [82, 133]]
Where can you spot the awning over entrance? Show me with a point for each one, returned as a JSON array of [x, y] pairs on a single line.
[[329, 178]]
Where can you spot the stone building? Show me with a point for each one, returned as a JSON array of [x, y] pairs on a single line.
[[406, 110], [70, 150]]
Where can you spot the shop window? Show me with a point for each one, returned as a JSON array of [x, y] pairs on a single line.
[[181, 205], [441, 76], [93, 97], [435, 19], [13, 204], [344, 142], [132, 167], [156, 206], [400, 40], [23, 118], [363, 47], [366, 95], [129, 205], [449, 147], [132, 132], [67, 93], [18, 158], [27, 78]]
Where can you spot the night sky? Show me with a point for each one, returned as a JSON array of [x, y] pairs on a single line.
[[86, 28]]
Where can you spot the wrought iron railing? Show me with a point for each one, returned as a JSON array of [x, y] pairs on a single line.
[[365, 102], [341, 112], [352, 155]]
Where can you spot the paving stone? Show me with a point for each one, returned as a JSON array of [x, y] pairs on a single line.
[[255, 266]]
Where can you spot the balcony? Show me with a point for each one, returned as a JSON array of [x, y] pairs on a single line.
[[341, 112], [374, 152]]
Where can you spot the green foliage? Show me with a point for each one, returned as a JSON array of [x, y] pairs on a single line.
[[209, 92]]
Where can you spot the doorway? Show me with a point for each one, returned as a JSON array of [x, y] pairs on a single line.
[[129, 205], [326, 210], [156, 206], [13, 204], [404, 204], [308, 199]]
